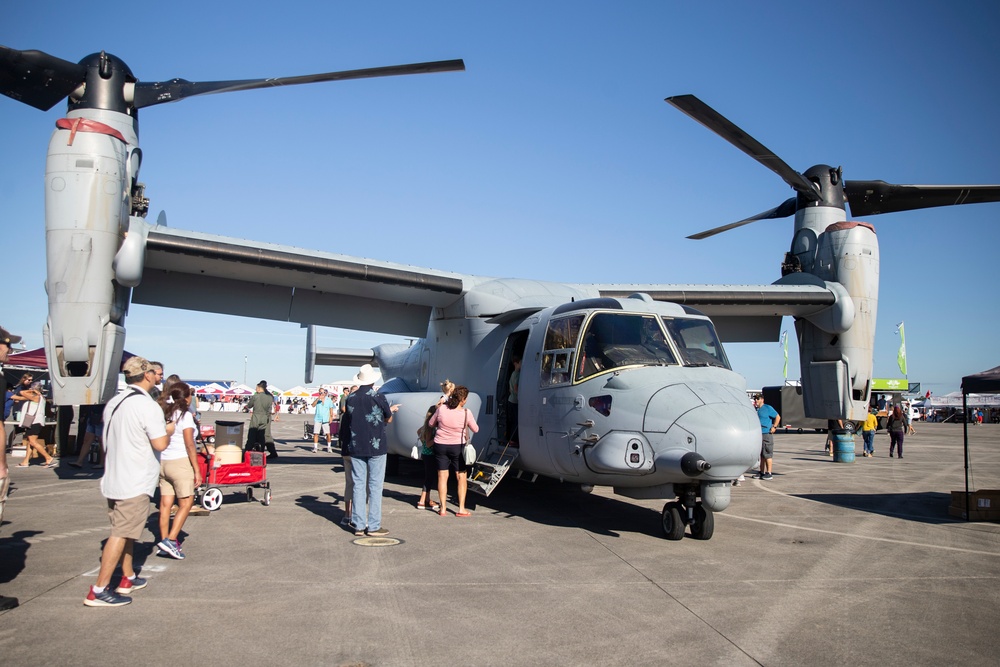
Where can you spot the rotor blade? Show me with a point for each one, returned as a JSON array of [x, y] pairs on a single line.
[[38, 79], [783, 210], [723, 127], [874, 197], [148, 94]]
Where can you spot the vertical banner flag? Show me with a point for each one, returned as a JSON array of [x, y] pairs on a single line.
[[784, 344], [901, 355]]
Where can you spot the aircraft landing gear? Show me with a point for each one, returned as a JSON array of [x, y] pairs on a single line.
[[702, 523], [676, 516], [673, 523]]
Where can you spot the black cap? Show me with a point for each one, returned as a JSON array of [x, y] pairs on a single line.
[[262, 383], [6, 337]]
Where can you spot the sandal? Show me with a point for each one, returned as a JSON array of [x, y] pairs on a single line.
[[22, 465], [442, 512], [463, 513]]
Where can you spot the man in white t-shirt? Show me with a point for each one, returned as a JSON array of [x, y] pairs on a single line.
[[135, 433]]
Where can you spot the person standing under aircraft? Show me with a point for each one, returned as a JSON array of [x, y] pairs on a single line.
[[343, 438], [24, 384], [368, 412], [135, 433], [155, 392], [179, 471], [6, 340], [868, 433], [897, 427], [32, 420], [321, 421], [94, 429], [514, 385], [259, 429], [425, 434], [769, 420], [452, 419], [832, 425]]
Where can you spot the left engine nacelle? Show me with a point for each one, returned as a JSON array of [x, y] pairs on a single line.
[[88, 176]]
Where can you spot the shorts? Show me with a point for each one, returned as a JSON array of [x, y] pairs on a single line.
[[766, 446], [176, 478], [95, 429], [449, 456], [34, 429], [321, 428], [128, 517]]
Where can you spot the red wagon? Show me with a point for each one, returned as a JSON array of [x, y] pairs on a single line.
[[251, 473]]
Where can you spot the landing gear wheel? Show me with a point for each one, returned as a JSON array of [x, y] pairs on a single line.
[[211, 499], [249, 494], [267, 497], [673, 524], [704, 523]]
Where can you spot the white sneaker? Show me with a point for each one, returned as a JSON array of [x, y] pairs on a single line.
[[315, 451]]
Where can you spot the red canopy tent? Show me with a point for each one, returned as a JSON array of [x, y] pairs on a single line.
[[29, 359]]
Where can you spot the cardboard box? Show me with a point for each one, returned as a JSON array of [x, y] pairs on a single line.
[[229, 433], [229, 442], [984, 505]]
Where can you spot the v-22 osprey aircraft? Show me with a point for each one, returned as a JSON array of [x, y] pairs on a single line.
[[621, 385]]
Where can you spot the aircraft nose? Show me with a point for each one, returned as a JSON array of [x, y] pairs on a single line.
[[716, 422], [726, 435]]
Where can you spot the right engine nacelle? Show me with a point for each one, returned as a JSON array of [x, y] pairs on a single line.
[[836, 346]]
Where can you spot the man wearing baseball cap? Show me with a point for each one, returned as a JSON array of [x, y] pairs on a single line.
[[135, 432], [6, 340]]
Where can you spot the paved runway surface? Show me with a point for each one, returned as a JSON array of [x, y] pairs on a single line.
[[828, 564]]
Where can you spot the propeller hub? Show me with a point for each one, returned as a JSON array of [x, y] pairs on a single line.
[[105, 84], [829, 183]]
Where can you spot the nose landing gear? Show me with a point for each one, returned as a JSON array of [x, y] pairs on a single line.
[[676, 515]]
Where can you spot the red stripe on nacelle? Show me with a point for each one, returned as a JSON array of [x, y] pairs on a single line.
[[75, 125]]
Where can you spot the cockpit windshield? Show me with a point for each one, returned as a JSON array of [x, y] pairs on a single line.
[[614, 340], [697, 342]]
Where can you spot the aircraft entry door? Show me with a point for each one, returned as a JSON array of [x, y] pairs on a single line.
[[560, 403]]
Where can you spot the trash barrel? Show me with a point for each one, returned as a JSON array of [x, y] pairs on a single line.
[[843, 446]]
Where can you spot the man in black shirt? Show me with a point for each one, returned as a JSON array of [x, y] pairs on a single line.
[[6, 340]]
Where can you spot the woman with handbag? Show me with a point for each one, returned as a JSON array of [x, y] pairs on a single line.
[[32, 420], [453, 421]]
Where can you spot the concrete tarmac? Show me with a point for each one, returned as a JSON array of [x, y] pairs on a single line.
[[827, 564]]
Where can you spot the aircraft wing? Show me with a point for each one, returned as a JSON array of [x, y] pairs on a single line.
[[219, 274], [741, 313]]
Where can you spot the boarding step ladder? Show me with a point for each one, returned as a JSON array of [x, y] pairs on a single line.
[[491, 467]]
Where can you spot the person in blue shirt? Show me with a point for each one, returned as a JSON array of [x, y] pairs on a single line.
[[324, 414], [769, 420]]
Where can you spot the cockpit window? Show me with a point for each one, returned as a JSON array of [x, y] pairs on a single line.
[[697, 342], [560, 349], [615, 340]]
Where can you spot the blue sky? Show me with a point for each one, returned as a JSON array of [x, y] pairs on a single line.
[[552, 157]]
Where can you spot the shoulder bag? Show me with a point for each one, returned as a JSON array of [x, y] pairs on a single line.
[[468, 451]]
